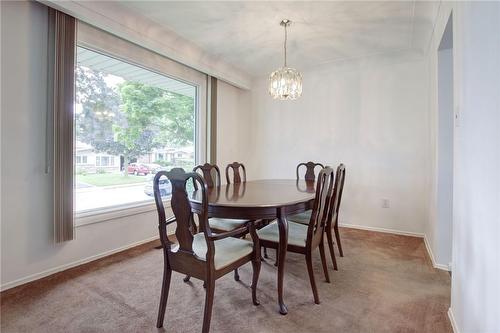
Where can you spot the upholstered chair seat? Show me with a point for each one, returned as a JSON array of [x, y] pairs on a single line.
[[297, 233], [226, 224], [302, 218], [227, 250]]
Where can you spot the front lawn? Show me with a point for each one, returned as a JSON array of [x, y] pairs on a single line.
[[109, 179]]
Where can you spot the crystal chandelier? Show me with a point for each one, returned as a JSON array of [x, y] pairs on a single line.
[[285, 82]]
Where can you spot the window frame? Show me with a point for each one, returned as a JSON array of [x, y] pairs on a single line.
[[107, 44]]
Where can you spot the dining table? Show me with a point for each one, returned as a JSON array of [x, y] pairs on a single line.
[[256, 200]]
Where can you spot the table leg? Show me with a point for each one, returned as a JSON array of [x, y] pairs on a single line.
[[283, 242]]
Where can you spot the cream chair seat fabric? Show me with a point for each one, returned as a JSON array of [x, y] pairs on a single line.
[[297, 233], [302, 218], [227, 250], [225, 224]]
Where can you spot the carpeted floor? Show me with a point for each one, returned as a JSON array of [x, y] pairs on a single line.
[[385, 283]]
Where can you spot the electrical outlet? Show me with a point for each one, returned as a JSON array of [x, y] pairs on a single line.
[[385, 203]]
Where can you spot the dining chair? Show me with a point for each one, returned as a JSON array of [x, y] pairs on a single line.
[[212, 178], [334, 219], [309, 175], [204, 255], [305, 239], [332, 222], [211, 175], [242, 178], [237, 176]]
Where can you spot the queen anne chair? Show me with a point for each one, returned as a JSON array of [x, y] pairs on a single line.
[[212, 178], [211, 175], [237, 176], [241, 177], [309, 176], [205, 255], [302, 238], [332, 222]]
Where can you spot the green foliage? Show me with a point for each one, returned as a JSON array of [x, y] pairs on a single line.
[[155, 118], [100, 108], [131, 119]]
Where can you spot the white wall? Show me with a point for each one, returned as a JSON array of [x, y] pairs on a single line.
[[475, 303], [371, 115], [476, 269], [233, 131]]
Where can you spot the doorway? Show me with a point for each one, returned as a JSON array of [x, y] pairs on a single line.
[[445, 147]]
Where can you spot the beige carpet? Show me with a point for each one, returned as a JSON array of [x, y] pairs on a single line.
[[385, 283]]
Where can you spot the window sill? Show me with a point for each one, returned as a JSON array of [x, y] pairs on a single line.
[[116, 212]]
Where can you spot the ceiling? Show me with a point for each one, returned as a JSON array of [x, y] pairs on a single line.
[[247, 34]]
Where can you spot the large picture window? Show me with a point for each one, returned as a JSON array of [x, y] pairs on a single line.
[[130, 122]]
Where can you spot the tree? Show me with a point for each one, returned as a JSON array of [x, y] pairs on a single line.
[[100, 107], [133, 118], [154, 118]]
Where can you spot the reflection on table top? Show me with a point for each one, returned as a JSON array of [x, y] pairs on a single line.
[[259, 193]]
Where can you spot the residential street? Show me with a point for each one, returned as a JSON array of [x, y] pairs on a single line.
[[97, 197]]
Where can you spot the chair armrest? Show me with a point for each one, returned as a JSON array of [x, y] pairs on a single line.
[[237, 231]]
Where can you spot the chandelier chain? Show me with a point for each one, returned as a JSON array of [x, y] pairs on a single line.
[[286, 37]]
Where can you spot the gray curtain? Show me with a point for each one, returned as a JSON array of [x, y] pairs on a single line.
[[61, 86]]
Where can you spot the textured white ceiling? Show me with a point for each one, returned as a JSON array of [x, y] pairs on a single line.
[[247, 34]]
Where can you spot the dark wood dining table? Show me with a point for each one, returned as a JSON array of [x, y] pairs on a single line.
[[261, 199]]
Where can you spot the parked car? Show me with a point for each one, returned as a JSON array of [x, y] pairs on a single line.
[[153, 167], [165, 187], [138, 168]]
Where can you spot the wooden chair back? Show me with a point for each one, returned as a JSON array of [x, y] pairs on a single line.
[[337, 195], [210, 173], [183, 258], [237, 176], [310, 175], [321, 207]]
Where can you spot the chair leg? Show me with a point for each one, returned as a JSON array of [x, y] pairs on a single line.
[[265, 253], [209, 301], [329, 239], [323, 260], [255, 279], [277, 257], [337, 236], [311, 277], [167, 274], [236, 275], [186, 278]]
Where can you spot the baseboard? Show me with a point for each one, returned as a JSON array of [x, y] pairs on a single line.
[[64, 267], [431, 255], [377, 229], [452, 321]]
